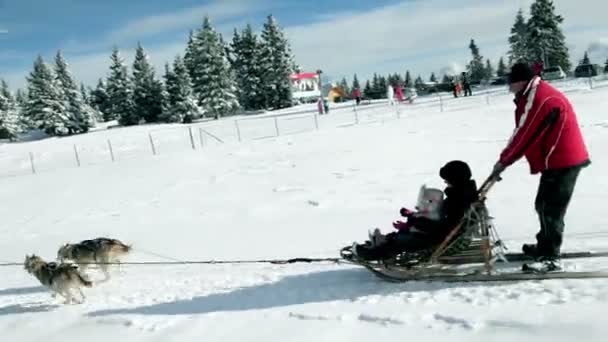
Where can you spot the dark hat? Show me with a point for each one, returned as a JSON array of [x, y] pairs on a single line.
[[520, 72], [456, 172]]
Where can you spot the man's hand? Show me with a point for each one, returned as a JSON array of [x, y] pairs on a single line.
[[497, 170]]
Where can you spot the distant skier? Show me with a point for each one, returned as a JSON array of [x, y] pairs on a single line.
[[390, 94], [548, 135], [466, 85], [356, 94], [399, 93]]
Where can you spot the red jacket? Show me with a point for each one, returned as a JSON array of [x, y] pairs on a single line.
[[546, 130]]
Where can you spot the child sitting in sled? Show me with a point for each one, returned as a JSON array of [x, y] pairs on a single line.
[[431, 223]]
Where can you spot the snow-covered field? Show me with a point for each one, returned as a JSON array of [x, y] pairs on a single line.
[[305, 194]]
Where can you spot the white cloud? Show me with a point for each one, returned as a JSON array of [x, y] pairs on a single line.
[[424, 36], [217, 10]]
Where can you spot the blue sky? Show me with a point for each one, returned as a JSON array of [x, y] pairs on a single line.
[[340, 37]]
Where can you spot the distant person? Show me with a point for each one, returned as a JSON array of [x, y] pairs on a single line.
[[547, 133], [357, 95], [390, 94], [466, 84]]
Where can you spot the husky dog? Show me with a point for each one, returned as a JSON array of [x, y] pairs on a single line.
[[99, 251], [59, 278]]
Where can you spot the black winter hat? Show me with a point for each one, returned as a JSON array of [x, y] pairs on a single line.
[[456, 172], [520, 72]]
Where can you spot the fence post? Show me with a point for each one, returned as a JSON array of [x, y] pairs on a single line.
[[316, 117], [397, 110], [111, 150], [191, 138], [200, 136], [488, 98], [356, 114], [590, 83], [152, 144], [32, 163], [76, 154], [238, 130], [276, 125], [441, 103]]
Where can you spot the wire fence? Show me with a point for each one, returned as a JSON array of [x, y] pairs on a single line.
[[116, 145]]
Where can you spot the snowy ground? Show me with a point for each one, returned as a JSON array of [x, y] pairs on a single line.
[[306, 194]]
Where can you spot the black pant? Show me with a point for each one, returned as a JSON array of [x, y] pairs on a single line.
[[396, 242], [552, 199]]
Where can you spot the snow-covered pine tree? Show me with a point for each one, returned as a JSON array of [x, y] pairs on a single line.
[[419, 83], [545, 38], [276, 62], [79, 113], [502, 68], [446, 79], [408, 80], [585, 59], [45, 105], [21, 99], [180, 104], [368, 90], [356, 84], [85, 94], [489, 70], [476, 67], [518, 39], [190, 55], [345, 87], [100, 100], [433, 78], [147, 97], [247, 69], [120, 93], [9, 113], [213, 83]]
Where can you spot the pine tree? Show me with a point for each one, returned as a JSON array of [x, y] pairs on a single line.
[[85, 94], [489, 70], [502, 68], [100, 101], [246, 65], [585, 59], [606, 66], [21, 100], [545, 40], [180, 104], [80, 115], [446, 79], [408, 79], [190, 55], [120, 93], [9, 114], [277, 63], [476, 67], [356, 84], [345, 87], [433, 78], [212, 82], [45, 105], [368, 91], [419, 83], [146, 93], [518, 39]]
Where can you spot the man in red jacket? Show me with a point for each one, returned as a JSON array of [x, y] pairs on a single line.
[[548, 135]]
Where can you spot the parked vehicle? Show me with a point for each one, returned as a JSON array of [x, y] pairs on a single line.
[[587, 70], [553, 73]]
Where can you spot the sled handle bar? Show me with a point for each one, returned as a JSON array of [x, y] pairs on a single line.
[[487, 185]]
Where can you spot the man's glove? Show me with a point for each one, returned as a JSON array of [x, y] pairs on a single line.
[[497, 170], [406, 212]]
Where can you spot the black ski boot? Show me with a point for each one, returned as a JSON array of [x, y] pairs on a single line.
[[543, 265], [530, 250]]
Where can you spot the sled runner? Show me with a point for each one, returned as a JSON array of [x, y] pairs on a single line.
[[471, 252]]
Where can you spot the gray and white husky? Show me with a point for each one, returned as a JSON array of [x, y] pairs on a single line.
[[60, 278], [99, 251]]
